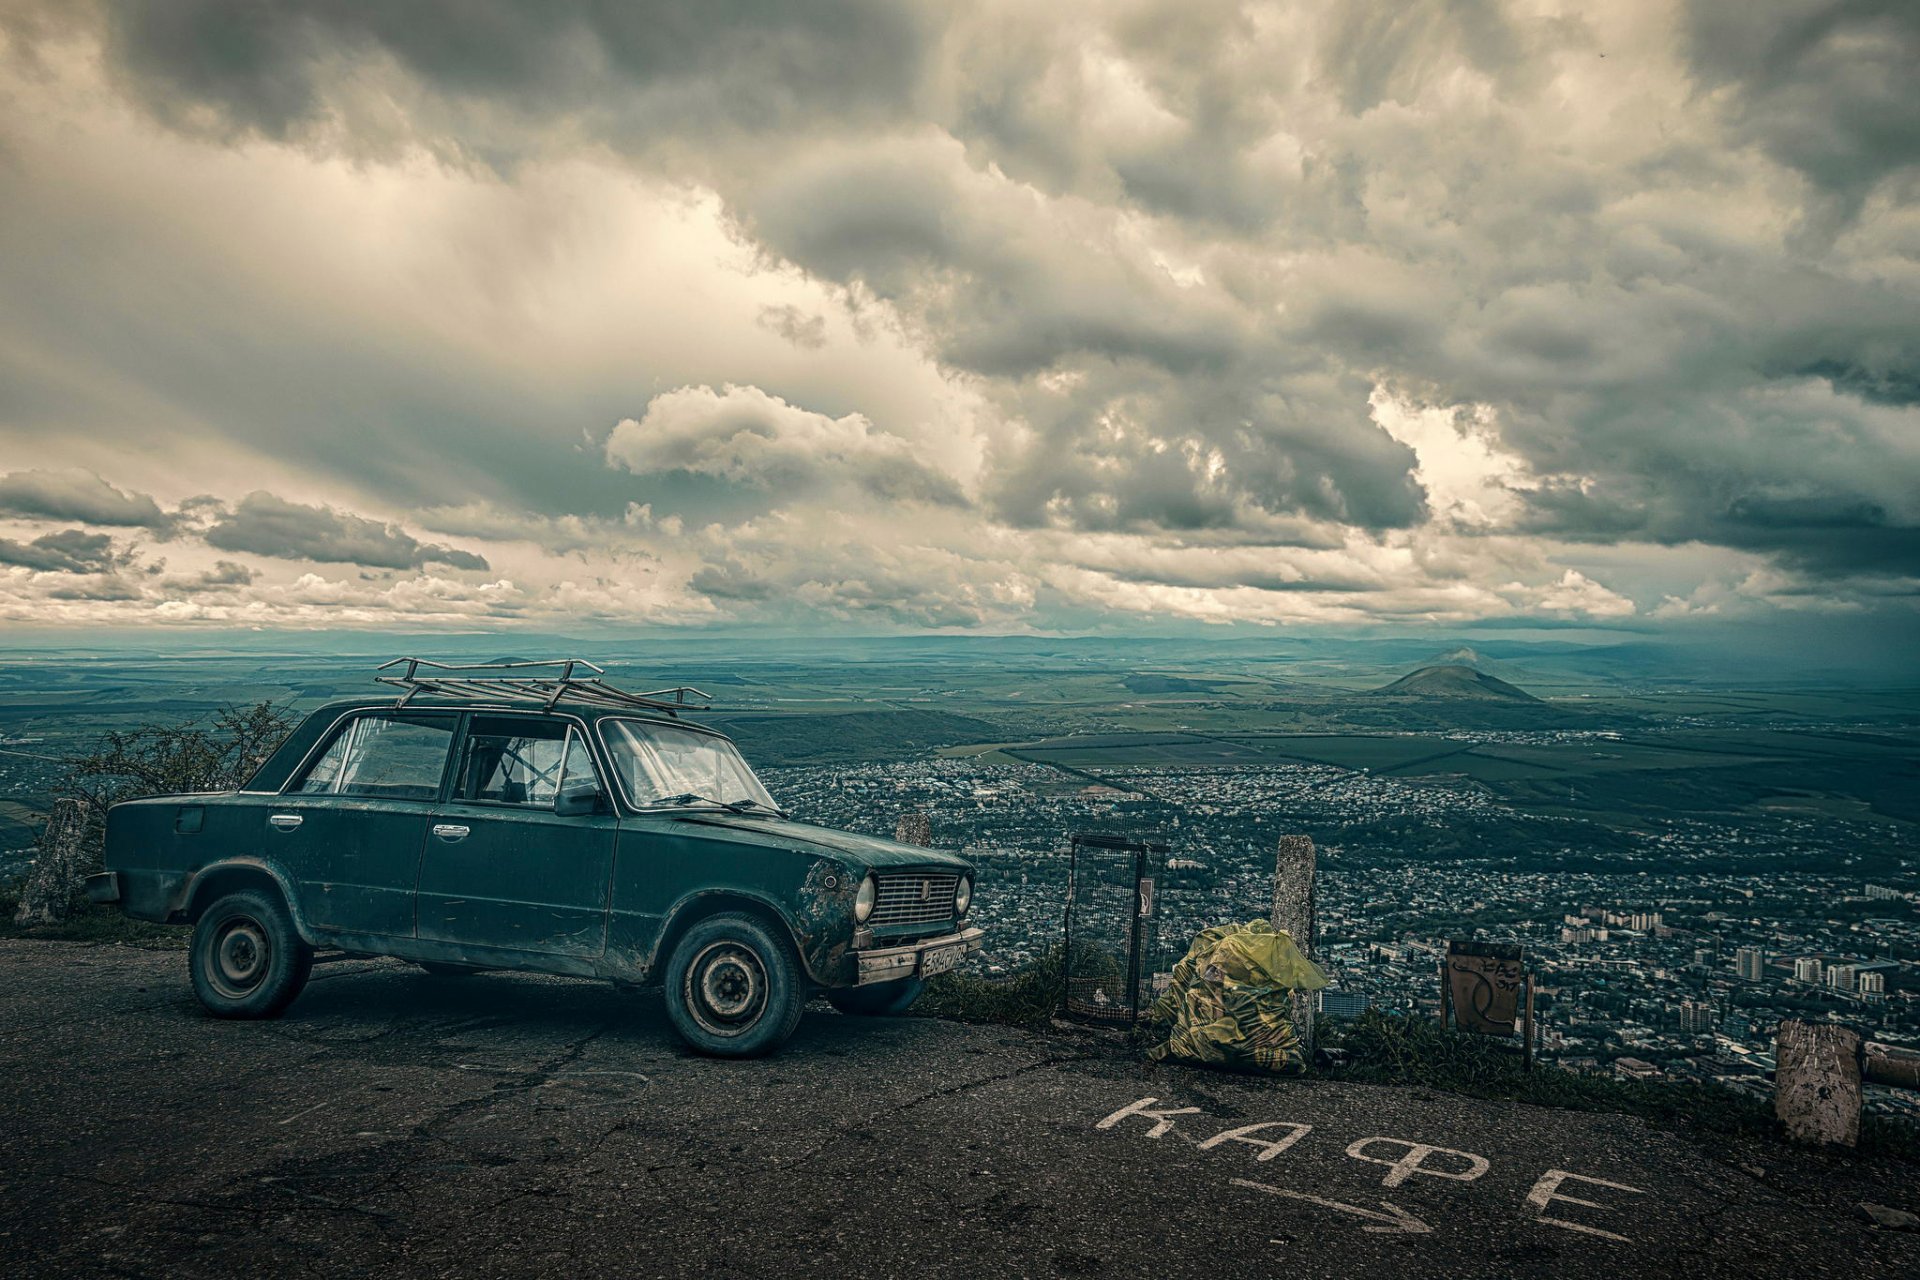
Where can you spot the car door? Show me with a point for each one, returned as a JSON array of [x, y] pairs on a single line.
[[503, 867], [350, 826]]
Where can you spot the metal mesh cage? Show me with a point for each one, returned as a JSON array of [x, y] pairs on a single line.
[[1109, 928]]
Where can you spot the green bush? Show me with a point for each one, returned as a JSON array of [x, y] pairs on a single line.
[[154, 759]]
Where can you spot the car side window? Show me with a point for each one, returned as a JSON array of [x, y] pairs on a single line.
[[381, 756], [517, 761]]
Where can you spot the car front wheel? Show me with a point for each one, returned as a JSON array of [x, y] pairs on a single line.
[[247, 960], [734, 987], [879, 999]]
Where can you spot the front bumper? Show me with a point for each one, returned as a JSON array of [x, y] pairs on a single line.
[[103, 886], [904, 961]]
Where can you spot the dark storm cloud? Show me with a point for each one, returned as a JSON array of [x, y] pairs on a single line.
[[1389, 52], [1181, 262], [997, 286], [651, 70], [1825, 85], [1229, 454], [1002, 294], [1207, 98], [1823, 532], [76, 495], [1884, 384], [68, 551], [265, 525]]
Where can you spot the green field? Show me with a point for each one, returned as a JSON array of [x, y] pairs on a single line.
[[1621, 779], [1594, 746]]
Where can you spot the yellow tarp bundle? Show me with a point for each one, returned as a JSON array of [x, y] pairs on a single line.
[[1230, 1002]]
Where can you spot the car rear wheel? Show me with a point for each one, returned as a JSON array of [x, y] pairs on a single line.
[[734, 987], [879, 999], [247, 961]]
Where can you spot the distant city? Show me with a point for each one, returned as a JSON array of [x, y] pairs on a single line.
[[1655, 970]]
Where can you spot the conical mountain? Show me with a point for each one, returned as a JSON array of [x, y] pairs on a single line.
[[1455, 681]]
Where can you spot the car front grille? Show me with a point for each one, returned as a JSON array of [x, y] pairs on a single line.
[[915, 897]]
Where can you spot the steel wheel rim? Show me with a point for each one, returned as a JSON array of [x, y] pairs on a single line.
[[240, 957], [726, 988]]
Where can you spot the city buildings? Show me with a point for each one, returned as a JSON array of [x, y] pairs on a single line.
[[1683, 959]]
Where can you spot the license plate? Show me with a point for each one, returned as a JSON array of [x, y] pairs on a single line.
[[940, 959]]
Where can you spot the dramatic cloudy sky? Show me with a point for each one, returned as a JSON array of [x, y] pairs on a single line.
[[874, 315]]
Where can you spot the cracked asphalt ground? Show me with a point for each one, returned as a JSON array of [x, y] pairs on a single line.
[[398, 1124]]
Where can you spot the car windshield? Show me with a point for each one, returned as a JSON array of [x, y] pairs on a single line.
[[663, 765]]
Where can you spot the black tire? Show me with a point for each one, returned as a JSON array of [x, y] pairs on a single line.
[[879, 999], [439, 970], [734, 987], [247, 961]]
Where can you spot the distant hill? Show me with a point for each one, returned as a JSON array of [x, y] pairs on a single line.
[[1453, 681]]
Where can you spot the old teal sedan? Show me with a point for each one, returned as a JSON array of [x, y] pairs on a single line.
[[533, 817]]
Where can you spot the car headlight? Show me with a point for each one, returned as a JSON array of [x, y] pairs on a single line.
[[863, 901], [963, 896]]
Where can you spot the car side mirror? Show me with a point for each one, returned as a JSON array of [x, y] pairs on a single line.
[[578, 803]]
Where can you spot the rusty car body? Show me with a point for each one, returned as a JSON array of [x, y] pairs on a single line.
[[532, 817]]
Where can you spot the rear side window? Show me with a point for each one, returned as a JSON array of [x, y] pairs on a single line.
[[382, 756], [511, 760]]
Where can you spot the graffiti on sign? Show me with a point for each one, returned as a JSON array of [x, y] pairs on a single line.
[[1486, 983]]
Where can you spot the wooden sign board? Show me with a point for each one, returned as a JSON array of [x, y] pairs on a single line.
[[1486, 987]]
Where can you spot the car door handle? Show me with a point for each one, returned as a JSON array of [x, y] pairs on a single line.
[[449, 831], [285, 821]]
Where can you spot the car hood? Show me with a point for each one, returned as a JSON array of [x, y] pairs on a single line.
[[868, 851]]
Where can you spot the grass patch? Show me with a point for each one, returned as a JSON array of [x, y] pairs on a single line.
[[103, 927], [1028, 998], [1393, 1050], [1389, 1049]]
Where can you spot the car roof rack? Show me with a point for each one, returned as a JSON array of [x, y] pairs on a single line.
[[545, 683]]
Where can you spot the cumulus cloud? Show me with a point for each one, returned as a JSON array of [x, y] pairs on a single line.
[[265, 525], [747, 437], [69, 551]]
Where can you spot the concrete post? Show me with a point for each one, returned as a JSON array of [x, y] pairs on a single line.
[[1293, 911], [914, 828], [58, 866], [1891, 1066], [1816, 1082]]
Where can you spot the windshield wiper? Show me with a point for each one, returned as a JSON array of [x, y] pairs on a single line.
[[754, 806], [694, 797]]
